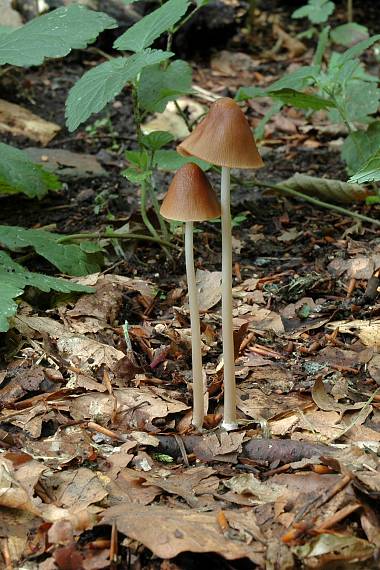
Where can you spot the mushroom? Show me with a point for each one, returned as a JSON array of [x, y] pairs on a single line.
[[191, 198], [225, 139]]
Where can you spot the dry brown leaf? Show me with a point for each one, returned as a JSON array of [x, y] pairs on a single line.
[[187, 483], [327, 403], [209, 288], [80, 487], [95, 312], [68, 443], [219, 447], [367, 331], [248, 484], [18, 121], [136, 407], [82, 352], [12, 493], [257, 405], [180, 530]]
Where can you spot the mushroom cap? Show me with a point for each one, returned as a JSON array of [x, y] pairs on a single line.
[[223, 138], [190, 197]]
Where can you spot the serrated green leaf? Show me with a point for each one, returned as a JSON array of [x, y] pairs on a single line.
[[135, 176], [358, 49], [295, 80], [102, 83], [360, 146], [171, 160], [370, 172], [18, 174], [317, 11], [53, 35], [349, 34], [301, 100], [245, 93], [13, 280], [326, 189], [68, 258], [157, 139], [142, 34], [159, 86]]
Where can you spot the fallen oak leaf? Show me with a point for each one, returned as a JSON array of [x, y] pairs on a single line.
[[327, 403], [167, 532]]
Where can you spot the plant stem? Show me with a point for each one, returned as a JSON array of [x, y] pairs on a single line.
[[196, 355], [317, 202], [156, 207], [229, 417], [144, 214], [114, 235], [182, 114], [350, 11]]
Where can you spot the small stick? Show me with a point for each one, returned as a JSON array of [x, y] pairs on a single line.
[[100, 429], [337, 517]]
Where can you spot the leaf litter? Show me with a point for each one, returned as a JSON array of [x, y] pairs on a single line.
[[95, 400], [94, 412]]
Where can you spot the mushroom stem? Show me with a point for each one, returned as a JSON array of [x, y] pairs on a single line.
[[229, 418], [196, 355]]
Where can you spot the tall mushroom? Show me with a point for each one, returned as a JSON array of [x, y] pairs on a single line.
[[190, 198], [225, 139]]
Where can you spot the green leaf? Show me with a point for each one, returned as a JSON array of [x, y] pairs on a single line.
[[68, 258], [171, 160], [349, 34], [360, 146], [157, 139], [298, 79], [358, 49], [53, 35], [317, 11], [370, 172], [159, 86], [245, 93], [13, 280], [326, 189], [142, 34], [136, 176], [102, 83], [18, 174], [301, 100], [323, 42]]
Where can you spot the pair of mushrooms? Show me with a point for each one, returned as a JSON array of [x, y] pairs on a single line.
[[225, 139]]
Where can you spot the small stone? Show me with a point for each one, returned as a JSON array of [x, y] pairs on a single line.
[[86, 194]]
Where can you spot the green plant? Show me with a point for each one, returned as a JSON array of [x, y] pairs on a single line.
[[18, 174], [318, 13], [342, 87], [153, 82], [68, 258]]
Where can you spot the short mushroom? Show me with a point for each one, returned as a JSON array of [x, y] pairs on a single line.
[[225, 139], [191, 198]]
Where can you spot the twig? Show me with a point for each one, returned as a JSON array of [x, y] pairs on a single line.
[[316, 202], [337, 517], [114, 235]]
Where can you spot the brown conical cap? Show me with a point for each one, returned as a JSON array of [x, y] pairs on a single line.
[[223, 138], [190, 197]]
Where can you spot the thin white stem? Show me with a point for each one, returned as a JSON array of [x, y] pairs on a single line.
[[196, 355], [229, 419]]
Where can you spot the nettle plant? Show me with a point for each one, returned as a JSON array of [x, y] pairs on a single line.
[[154, 79], [343, 88]]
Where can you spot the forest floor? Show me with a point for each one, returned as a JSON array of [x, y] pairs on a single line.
[[100, 465]]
